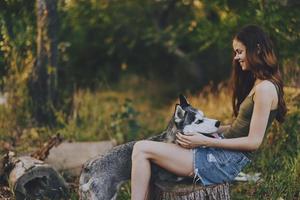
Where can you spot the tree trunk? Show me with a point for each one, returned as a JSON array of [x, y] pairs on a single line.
[[188, 191], [33, 179], [43, 82]]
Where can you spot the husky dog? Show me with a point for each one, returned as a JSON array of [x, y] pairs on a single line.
[[102, 176], [190, 120]]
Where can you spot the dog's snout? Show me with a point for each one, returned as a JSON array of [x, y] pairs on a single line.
[[217, 124]]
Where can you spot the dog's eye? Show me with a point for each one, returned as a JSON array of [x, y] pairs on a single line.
[[198, 121]]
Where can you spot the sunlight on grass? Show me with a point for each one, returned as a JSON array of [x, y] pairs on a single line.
[[112, 115], [125, 115]]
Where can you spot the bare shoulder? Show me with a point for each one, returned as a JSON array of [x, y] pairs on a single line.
[[266, 87], [266, 91]]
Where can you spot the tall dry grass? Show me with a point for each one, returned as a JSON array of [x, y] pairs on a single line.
[[124, 115]]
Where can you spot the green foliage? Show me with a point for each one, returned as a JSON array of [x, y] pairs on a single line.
[[109, 115], [124, 123], [155, 38], [16, 43], [181, 44], [125, 191], [101, 41]]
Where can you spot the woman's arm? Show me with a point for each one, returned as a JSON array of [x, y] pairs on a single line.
[[262, 106]]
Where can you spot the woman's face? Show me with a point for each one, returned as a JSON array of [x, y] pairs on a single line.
[[240, 54]]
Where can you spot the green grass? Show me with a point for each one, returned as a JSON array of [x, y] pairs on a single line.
[[124, 115]]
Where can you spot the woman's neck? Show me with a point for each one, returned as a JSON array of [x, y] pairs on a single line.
[[256, 82]]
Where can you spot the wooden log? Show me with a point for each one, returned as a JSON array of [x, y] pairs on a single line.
[[188, 191], [33, 179], [62, 157]]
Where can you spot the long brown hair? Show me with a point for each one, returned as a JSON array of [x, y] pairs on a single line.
[[263, 65]]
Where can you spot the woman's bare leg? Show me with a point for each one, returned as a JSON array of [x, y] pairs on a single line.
[[172, 157]]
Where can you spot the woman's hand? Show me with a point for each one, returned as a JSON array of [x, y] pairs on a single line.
[[192, 140]]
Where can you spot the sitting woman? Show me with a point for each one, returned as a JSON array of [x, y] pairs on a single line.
[[257, 100]]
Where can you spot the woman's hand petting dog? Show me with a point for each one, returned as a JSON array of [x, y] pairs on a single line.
[[192, 140]]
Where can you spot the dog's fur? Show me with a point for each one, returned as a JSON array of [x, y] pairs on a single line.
[[102, 176]]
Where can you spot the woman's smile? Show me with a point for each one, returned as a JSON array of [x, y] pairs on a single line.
[[240, 53]]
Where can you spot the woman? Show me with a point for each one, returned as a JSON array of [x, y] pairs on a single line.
[[257, 100]]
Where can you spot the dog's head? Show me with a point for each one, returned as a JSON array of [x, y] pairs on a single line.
[[190, 120]]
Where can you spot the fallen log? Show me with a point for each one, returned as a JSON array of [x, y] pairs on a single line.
[[70, 156], [29, 177], [188, 191], [33, 179]]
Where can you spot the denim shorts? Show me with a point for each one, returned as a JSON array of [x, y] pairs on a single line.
[[216, 165]]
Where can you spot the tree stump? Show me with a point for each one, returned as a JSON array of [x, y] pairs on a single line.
[[33, 179], [188, 191]]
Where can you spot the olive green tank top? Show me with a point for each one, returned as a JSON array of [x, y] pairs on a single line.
[[241, 125]]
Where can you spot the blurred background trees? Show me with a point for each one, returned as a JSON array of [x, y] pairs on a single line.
[[43, 78], [185, 43], [173, 46]]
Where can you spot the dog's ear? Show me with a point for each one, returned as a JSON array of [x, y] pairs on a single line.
[[179, 114], [183, 102]]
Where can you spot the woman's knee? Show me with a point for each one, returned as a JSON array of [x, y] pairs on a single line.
[[140, 148]]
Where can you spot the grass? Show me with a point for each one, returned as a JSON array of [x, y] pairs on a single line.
[[123, 115]]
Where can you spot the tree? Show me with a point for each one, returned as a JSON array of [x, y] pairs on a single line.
[[43, 82]]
